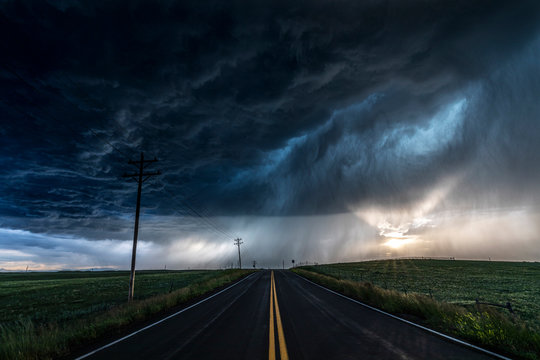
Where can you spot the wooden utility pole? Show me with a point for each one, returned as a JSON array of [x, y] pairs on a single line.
[[141, 176], [238, 242]]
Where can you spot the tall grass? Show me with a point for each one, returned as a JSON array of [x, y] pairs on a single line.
[[483, 326], [26, 340], [459, 282]]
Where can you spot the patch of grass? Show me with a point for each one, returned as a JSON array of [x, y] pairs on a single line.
[[47, 337], [458, 282], [66, 295], [484, 326]]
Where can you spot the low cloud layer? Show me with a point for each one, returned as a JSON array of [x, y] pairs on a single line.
[[312, 129]]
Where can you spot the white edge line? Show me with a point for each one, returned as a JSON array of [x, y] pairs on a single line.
[[162, 320], [411, 323]]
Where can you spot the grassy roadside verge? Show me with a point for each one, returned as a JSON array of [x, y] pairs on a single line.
[[25, 339], [486, 327]]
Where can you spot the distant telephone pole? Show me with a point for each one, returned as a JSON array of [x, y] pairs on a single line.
[[140, 176], [238, 242]]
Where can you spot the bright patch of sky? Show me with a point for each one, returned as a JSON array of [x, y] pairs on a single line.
[[418, 140], [21, 250], [410, 141], [273, 159], [395, 224]]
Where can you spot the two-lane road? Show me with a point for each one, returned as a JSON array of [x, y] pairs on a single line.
[[279, 315]]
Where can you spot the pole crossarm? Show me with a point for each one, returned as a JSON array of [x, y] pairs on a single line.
[[146, 174]]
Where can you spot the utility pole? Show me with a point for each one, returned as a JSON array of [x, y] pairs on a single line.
[[238, 242], [140, 176]]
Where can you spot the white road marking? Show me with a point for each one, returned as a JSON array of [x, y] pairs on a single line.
[[160, 321], [411, 323]]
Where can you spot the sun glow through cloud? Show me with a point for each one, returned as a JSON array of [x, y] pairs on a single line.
[[397, 243], [396, 224]]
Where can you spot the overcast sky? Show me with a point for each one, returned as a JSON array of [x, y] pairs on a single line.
[[319, 131]]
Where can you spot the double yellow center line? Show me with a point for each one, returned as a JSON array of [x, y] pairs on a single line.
[[281, 337]]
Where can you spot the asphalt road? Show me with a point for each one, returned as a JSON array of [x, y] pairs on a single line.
[[307, 322]]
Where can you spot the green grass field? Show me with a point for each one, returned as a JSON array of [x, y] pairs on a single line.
[[442, 294], [60, 296], [50, 315], [453, 281]]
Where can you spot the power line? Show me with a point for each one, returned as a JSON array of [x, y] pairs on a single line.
[[194, 211], [195, 214]]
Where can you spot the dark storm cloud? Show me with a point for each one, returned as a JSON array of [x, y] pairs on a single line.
[[278, 108]]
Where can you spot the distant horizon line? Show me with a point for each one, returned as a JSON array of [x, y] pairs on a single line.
[[301, 263]]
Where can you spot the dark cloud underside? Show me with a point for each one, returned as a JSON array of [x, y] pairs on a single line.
[[273, 108]]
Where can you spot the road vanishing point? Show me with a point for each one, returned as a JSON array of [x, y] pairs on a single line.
[[280, 315]]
